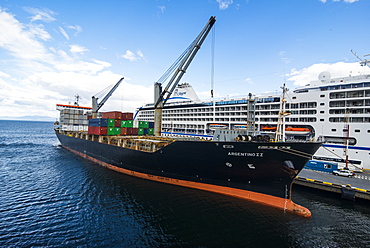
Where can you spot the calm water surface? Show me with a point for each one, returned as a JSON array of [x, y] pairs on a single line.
[[51, 198]]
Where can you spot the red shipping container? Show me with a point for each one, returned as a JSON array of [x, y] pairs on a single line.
[[91, 130], [127, 131], [134, 130], [112, 115], [127, 116], [117, 123], [124, 131], [101, 131]]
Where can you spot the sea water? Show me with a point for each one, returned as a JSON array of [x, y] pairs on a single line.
[[51, 198]]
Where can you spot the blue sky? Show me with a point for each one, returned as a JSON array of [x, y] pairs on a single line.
[[52, 50]]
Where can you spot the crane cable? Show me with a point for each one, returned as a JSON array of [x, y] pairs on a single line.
[[174, 66], [213, 60]]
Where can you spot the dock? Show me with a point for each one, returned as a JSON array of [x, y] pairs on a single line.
[[348, 188]]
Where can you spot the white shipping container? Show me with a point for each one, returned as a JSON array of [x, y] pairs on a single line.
[[67, 127]]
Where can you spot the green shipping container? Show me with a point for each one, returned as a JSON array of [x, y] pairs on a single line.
[[127, 123], [143, 124], [114, 131], [140, 131], [111, 122], [150, 131]]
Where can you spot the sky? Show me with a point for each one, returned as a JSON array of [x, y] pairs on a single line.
[[51, 51]]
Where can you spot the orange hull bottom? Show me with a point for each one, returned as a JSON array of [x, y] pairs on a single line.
[[284, 204]]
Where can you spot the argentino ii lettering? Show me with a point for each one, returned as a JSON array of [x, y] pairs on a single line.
[[246, 154]]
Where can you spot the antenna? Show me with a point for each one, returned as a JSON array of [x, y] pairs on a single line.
[[77, 98]]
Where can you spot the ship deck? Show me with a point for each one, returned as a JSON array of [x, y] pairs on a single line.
[[140, 143]]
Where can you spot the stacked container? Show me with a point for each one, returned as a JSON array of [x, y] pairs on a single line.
[[146, 128], [117, 123], [73, 120], [98, 126]]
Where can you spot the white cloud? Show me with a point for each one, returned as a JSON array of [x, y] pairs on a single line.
[[346, 1], [37, 75], [45, 15], [249, 81], [162, 8], [284, 58], [64, 33], [340, 69], [21, 40], [132, 56], [224, 4], [4, 75], [78, 49], [77, 28]]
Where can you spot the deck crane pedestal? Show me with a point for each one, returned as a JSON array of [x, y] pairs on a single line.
[[96, 106], [162, 95]]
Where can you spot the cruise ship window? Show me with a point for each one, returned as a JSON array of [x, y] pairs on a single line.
[[322, 104], [322, 95], [322, 112], [321, 119], [334, 130], [357, 130]]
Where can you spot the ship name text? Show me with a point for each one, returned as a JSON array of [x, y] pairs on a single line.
[[246, 154]]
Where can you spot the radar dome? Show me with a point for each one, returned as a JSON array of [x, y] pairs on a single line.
[[325, 75]]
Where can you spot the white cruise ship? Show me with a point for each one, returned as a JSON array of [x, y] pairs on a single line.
[[335, 111]]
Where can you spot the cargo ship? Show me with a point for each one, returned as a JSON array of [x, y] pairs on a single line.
[[236, 162], [255, 170]]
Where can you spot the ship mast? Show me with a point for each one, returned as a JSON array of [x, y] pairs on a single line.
[[346, 130], [280, 129], [178, 69]]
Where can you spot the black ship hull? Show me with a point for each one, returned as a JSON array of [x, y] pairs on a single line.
[[259, 171]]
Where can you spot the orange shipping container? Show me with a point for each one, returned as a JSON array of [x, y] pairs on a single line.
[[112, 115], [127, 116]]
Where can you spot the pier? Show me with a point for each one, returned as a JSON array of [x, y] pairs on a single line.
[[349, 188]]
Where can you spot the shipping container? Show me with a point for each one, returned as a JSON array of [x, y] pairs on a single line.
[[127, 123], [140, 131], [114, 131], [150, 124], [127, 131], [150, 131], [127, 116], [134, 131], [112, 115], [101, 130], [117, 123], [111, 122], [97, 130], [98, 122], [91, 130], [143, 124]]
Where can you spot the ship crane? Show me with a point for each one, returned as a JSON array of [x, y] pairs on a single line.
[[96, 106], [364, 62], [178, 69]]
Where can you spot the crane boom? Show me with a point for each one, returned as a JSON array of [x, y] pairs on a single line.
[[161, 96], [96, 106]]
